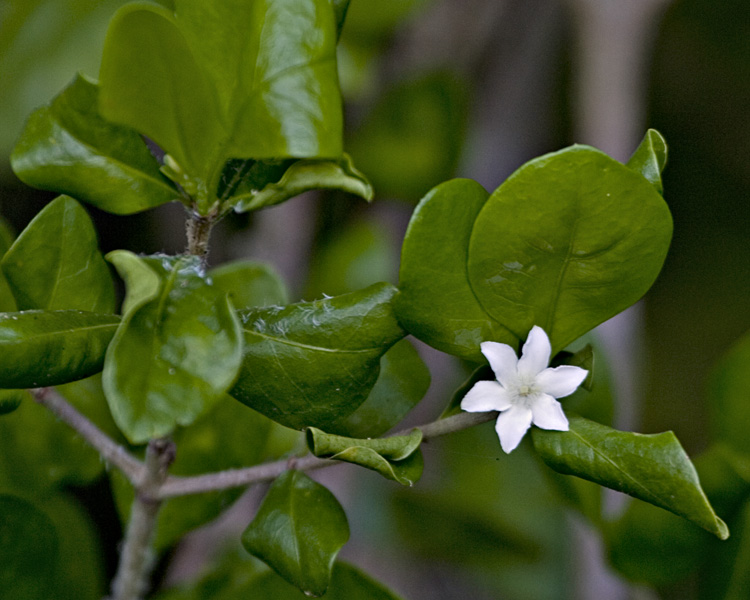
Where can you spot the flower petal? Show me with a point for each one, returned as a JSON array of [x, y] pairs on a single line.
[[560, 381], [486, 396], [512, 425], [502, 359], [548, 414], [535, 355]]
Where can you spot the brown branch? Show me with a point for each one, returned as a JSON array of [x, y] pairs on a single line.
[[181, 486]]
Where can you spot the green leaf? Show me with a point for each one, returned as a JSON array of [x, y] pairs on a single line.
[[653, 468], [229, 436], [142, 283], [250, 283], [652, 546], [28, 550], [69, 147], [174, 355], [244, 80], [650, 158], [42, 348], [233, 581], [305, 175], [313, 363], [729, 389], [347, 583], [402, 383], [436, 302], [298, 531], [397, 458], [10, 400], [569, 240], [55, 263]]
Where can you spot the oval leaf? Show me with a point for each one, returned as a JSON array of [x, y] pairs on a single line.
[[653, 468], [55, 263], [569, 240], [435, 302], [43, 348], [69, 147], [397, 458], [312, 363], [305, 175], [173, 356], [29, 550], [298, 531]]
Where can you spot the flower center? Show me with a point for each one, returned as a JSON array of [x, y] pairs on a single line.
[[524, 390]]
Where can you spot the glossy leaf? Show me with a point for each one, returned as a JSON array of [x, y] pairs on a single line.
[[402, 383], [305, 175], [28, 550], [55, 263], [652, 546], [229, 436], [69, 147], [250, 283], [569, 240], [397, 458], [298, 531], [244, 80], [653, 468], [313, 363], [43, 348], [729, 390], [174, 355], [435, 301], [650, 158]]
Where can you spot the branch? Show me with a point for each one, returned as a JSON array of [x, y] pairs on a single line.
[[137, 560], [181, 486], [109, 450]]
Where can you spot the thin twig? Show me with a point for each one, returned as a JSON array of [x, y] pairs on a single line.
[[182, 486], [137, 560], [110, 451]]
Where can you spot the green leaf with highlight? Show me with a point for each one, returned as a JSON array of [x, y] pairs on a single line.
[[175, 353], [43, 348], [650, 158], [55, 263], [303, 176], [314, 363], [397, 458], [69, 147], [653, 468], [298, 531]]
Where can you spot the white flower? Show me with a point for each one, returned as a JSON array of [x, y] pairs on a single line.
[[525, 389]]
